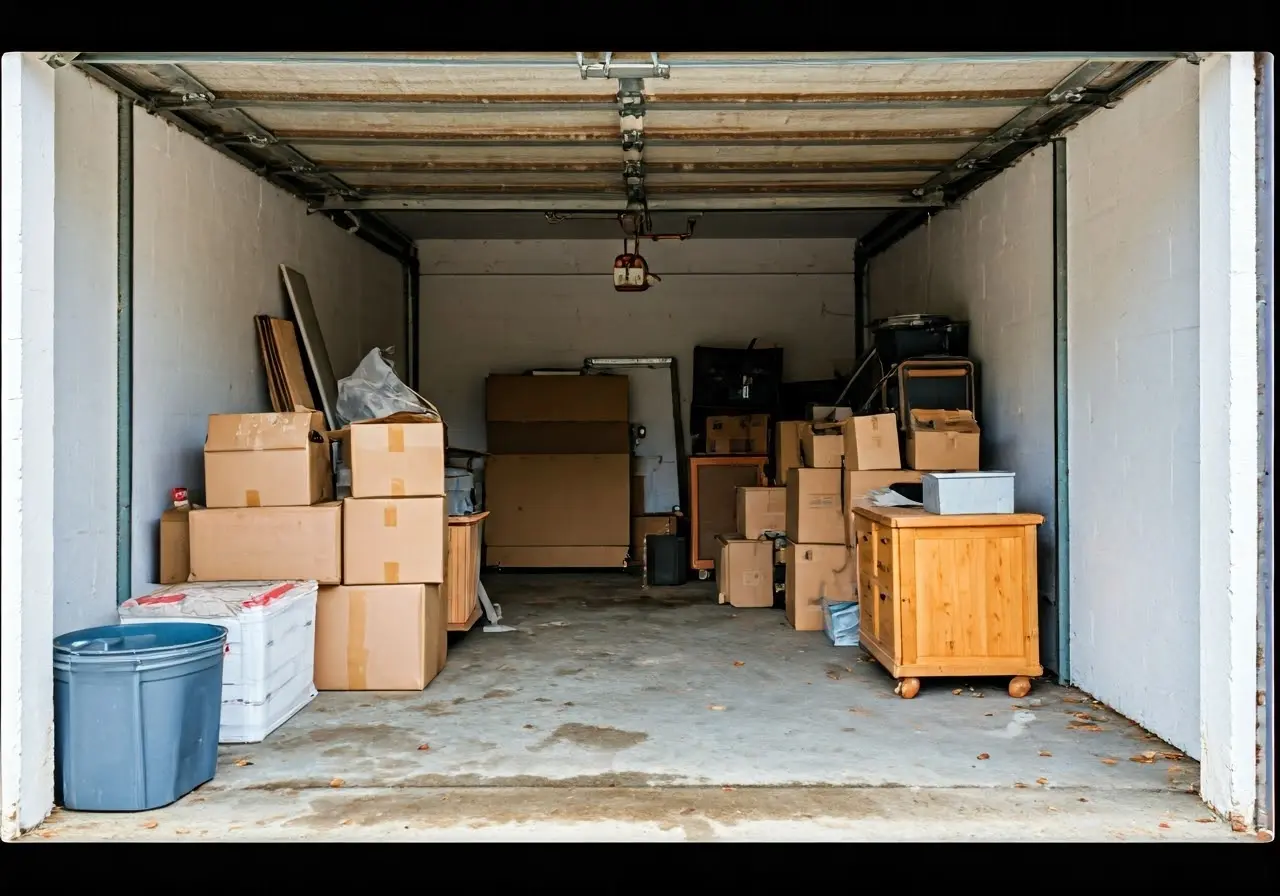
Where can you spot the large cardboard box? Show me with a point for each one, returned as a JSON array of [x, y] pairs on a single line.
[[650, 524], [744, 572], [787, 448], [738, 434], [399, 456], [814, 572], [557, 556], [871, 442], [389, 541], [601, 398], [558, 499], [505, 437], [761, 510], [822, 445], [379, 637], [858, 482], [943, 440], [247, 543], [267, 460], [814, 507], [175, 546]]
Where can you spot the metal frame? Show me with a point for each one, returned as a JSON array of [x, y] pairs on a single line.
[[124, 350], [1265, 66], [1061, 416], [588, 203]]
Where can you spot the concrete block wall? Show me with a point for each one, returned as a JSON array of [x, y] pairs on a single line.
[[84, 356], [990, 262], [209, 238], [1133, 236], [507, 306]]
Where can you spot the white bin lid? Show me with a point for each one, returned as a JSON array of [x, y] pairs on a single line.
[[209, 600]]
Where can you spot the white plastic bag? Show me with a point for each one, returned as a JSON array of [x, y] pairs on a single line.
[[841, 621], [374, 391]]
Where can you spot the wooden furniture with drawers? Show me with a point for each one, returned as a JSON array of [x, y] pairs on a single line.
[[713, 502], [948, 595]]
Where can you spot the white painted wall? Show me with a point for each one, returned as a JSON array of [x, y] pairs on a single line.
[[990, 262], [1134, 313], [507, 306], [209, 239], [84, 510], [26, 428]]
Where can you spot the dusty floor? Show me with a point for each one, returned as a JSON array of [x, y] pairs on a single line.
[[616, 713]]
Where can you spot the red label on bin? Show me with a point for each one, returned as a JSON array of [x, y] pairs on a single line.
[[268, 596], [157, 599]]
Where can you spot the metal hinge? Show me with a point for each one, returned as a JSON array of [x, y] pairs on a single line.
[[607, 68], [633, 141], [1071, 95]]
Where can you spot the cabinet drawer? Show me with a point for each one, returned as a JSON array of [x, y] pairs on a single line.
[[882, 565], [885, 609], [868, 598]]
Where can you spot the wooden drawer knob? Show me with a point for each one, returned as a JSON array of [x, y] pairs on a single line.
[[884, 541], [883, 596]]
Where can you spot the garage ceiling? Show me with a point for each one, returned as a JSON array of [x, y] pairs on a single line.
[[452, 144]]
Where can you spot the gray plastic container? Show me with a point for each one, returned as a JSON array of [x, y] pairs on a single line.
[[136, 711], [459, 486], [989, 491]]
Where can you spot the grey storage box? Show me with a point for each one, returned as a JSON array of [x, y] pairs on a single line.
[[988, 491]]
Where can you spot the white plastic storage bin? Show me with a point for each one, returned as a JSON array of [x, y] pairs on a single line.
[[269, 670], [972, 492]]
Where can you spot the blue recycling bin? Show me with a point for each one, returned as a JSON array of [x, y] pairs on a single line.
[[136, 711]]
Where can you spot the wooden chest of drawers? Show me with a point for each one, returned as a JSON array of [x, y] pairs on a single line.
[[948, 595]]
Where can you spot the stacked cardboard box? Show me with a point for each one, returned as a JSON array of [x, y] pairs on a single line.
[[558, 481], [383, 628], [744, 570], [738, 434]]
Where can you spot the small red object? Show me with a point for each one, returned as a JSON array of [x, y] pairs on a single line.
[[180, 498]]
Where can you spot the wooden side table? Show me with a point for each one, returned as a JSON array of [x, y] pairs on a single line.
[[948, 595]]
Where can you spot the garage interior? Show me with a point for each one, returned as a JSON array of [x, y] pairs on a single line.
[[484, 198]]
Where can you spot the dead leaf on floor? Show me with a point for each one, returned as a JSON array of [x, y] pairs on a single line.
[[689, 811], [988, 713], [1070, 699], [530, 727], [345, 821], [337, 782], [1042, 781], [979, 694], [151, 825], [243, 762], [714, 707], [1165, 825], [1083, 716], [984, 755], [1145, 758], [1083, 800], [422, 748], [1045, 753], [726, 788], [1108, 761], [1172, 756], [1206, 820], [957, 692], [181, 831], [739, 663], [1053, 808], [1020, 786], [1265, 836], [1084, 726], [833, 675], [1238, 826]]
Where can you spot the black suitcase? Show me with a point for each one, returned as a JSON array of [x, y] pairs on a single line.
[[666, 560]]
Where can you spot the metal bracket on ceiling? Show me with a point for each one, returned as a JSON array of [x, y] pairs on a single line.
[[58, 60], [259, 140], [1193, 58], [633, 141], [196, 99], [1070, 95], [607, 68]]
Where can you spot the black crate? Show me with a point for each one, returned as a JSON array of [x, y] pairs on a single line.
[[666, 559], [718, 375]]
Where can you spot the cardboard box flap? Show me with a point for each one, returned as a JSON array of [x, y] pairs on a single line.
[[264, 432], [943, 421], [401, 417]]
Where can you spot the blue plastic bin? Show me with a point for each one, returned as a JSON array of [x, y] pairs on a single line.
[[136, 711]]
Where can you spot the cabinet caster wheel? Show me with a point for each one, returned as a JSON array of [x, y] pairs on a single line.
[[704, 574], [1019, 687], [907, 688]]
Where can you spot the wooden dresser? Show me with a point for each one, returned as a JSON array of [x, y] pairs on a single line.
[[948, 595]]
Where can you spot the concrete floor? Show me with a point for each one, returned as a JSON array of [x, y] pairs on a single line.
[[618, 713]]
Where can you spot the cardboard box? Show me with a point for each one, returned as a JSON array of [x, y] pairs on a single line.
[[267, 460], [650, 524], [175, 546], [814, 572], [558, 499], [943, 440], [397, 456], [389, 541], [822, 445], [557, 556], [247, 543], [379, 637], [858, 482], [871, 442], [739, 434], [787, 448], [814, 507], [601, 398], [505, 437], [744, 572], [761, 510]]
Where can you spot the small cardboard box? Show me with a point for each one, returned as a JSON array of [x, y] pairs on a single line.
[[390, 541], [650, 524], [787, 448], [814, 572], [822, 445], [871, 443], [814, 507], [740, 434], [943, 440], [761, 510], [744, 572], [379, 637], [238, 544], [267, 460], [400, 456], [175, 546]]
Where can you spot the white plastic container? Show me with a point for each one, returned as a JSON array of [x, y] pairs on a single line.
[[269, 670], [989, 491]]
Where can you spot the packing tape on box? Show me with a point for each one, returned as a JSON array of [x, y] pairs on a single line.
[[391, 573], [397, 488], [395, 438], [252, 498], [389, 519], [357, 652]]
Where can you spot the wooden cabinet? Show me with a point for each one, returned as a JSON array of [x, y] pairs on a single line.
[[948, 595]]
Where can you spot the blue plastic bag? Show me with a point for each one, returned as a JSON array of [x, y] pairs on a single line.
[[840, 620]]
